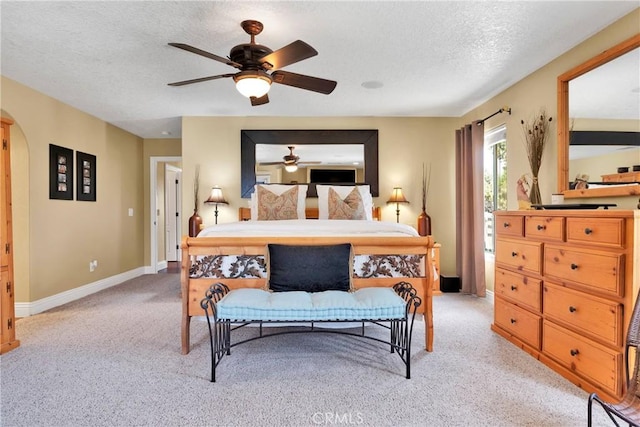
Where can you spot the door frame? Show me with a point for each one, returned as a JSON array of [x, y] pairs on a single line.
[[153, 189], [178, 206]]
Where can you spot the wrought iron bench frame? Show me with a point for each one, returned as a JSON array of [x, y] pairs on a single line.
[[401, 330]]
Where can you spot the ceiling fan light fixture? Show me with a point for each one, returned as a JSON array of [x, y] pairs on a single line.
[[291, 168], [253, 83]]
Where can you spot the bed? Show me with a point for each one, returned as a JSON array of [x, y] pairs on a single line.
[[385, 253]]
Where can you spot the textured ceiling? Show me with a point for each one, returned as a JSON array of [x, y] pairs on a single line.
[[431, 58]]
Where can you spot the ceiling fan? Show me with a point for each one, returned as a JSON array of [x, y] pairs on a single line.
[[290, 161], [260, 66]]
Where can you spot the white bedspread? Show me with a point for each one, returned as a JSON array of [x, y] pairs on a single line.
[[309, 227]]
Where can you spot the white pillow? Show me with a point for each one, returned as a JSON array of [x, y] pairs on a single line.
[[278, 189], [343, 191]]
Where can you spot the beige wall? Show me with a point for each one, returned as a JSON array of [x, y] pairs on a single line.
[[538, 90], [404, 144], [64, 236]]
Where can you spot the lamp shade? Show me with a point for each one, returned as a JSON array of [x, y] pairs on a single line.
[[253, 83], [397, 196], [291, 168], [216, 196]]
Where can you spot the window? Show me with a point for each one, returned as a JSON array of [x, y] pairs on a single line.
[[495, 180]]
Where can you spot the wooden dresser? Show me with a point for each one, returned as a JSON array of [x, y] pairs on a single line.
[[7, 312], [565, 285]]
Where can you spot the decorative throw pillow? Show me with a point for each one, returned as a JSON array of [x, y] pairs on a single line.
[[278, 189], [313, 268], [343, 191], [351, 207], [274, 207]]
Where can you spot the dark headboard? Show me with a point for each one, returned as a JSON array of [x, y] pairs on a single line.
[[249, 139]]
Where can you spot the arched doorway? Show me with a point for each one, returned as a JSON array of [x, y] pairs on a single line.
[[20, 203]]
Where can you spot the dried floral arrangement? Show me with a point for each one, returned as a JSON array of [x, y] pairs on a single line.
[[196, 189], [426, 181], [536, 132]]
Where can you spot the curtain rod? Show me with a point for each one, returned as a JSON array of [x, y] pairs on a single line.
[[502, 110]]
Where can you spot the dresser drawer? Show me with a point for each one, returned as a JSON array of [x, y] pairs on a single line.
[[549, 228], [585, 313], [596, 231], [600, 271], [508, 225], [520, 289], [519, 322], [593, 361], [518, 254]]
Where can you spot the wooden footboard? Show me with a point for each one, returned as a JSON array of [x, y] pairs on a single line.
[[196, 279]]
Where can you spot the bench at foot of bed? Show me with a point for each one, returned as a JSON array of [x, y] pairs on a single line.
[[390, 308]]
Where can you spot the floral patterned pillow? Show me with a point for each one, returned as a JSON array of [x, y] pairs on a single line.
[[274, 207], [351, 207]]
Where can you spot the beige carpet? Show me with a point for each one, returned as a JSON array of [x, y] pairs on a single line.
[[113, 359]]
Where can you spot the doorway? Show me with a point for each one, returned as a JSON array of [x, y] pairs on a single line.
[[158, 241], [172, 218]]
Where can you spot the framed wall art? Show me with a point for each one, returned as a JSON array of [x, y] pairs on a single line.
[[60, 173], [85, 177]]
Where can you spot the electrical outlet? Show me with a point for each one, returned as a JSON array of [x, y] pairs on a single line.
[[93, 265]]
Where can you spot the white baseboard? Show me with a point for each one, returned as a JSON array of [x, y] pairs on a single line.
[[26, 309]]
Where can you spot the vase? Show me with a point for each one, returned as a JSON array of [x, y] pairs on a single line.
[[195, 221], [534, 196], [424, 224]]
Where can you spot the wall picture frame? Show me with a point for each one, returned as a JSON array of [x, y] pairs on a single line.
[[85, 177], [60, 173]]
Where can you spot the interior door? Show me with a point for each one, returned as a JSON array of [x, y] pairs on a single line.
[[173, 177]]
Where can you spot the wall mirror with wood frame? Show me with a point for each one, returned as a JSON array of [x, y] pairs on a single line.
[[323, 156], [596, 133]]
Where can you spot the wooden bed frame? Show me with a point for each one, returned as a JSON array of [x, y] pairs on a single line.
[[193, 289]]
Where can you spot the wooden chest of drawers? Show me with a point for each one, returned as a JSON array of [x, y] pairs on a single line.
[[565, 285]]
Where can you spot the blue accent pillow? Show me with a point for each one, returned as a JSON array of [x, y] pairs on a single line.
[[315, 268]]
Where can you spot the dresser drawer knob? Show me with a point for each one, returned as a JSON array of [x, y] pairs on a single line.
[[572, 309], [541, 227], [574, 352], [588, 231], [514, 254], [574, 266], [506, 224], [513, 287], [513, 321]]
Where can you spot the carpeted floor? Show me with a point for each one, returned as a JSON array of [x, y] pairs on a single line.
[[113, 359]]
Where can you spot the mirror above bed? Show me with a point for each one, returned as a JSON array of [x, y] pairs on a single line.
[[599, 124], [323, 156]]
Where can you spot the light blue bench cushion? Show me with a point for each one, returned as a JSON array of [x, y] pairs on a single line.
[[363, 304]]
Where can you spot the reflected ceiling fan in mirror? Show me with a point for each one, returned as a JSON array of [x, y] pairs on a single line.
[[290, 162], [260, 66]]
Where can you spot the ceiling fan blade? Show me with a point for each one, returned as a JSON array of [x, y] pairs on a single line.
[[290, 54], [264, 99], [301, 81], [201, 79], [205, 54]]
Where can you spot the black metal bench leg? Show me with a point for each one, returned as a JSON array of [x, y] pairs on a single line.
[[392, 332]]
